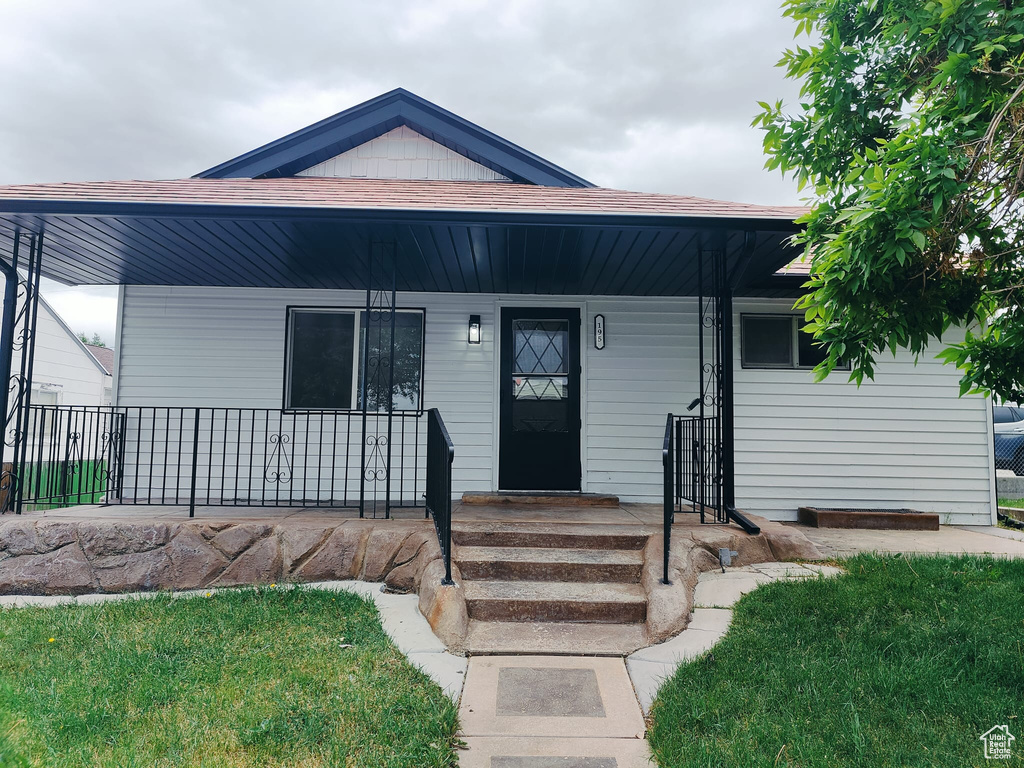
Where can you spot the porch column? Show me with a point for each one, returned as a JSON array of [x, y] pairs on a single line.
[[733, 279], [18, 333], [377, 385]]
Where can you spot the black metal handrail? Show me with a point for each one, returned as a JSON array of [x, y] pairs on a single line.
[[218, 457], [440, 456], [694, 473], [669, 508]]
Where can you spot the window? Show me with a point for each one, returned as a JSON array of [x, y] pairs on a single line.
[[324, 367], [776, 341]]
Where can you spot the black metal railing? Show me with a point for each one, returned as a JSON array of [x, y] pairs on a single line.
[[697, 466], [694, 475], [219, 457], [440, 455]]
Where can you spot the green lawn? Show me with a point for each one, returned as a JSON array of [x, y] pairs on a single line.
[[1018, 503], [903, 662], [243, 678]]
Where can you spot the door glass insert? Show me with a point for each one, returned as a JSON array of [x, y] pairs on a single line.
[[540, 382]]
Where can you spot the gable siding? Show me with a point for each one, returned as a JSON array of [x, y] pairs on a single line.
[[61, 365], [402, 153], [905, 440]]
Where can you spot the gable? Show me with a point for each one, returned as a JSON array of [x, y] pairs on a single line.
[[402, 153], [316, 144]]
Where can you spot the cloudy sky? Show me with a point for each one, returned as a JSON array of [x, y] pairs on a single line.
[[650, 95]]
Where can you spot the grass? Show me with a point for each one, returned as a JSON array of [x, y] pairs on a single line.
[[268, 677], [903, 662], [1017, 503]]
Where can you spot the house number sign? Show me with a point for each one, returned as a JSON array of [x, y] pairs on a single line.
[[599, 331]]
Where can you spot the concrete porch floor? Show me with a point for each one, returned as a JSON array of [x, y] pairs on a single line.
[[832, 542], [647, 515]]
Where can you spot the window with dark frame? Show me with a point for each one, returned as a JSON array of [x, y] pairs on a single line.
[[324, 359], [776, 341]]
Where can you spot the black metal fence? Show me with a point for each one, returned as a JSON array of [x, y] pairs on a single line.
[[694, 471], [220, 457], [440, 456]]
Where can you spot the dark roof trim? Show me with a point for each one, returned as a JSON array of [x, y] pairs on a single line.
[[318, 142], [31, 209]]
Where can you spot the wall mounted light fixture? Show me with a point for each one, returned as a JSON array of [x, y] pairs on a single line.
[[474, 329]]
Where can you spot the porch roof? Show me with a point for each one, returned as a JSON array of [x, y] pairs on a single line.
[[450, 235]]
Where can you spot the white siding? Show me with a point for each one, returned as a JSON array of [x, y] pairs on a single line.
[[904, 440], [225, 348], [402, 153]]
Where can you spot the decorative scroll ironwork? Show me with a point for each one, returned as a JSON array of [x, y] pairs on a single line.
[[21, 310], [279, 460], [377, 378], [703, 450]]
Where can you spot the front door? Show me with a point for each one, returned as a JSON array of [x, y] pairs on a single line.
[[539, 430]]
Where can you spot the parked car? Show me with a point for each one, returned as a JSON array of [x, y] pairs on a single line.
[[1008, 424]]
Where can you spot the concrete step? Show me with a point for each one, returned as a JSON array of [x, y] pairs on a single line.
[[567, 499], [603, 602], [549, 564], [565, 536], [553, 638]]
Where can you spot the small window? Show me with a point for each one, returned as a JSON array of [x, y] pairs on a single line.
[[767, 342], [324, 366], [776, 341]]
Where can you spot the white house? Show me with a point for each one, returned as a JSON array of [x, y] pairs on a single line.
[[272, 309], [66, 371]]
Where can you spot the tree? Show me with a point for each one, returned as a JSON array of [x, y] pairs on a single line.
[[910, 138]]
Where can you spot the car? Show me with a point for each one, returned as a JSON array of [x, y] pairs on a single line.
[[1008, 425]]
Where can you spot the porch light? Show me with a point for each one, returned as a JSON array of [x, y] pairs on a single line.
[[474, 329]]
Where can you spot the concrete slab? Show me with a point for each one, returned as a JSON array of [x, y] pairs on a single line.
[[481, 711], [553, 638], [499, 752], [445, 669], [548, 692], [407, 627], [717, 590], [835, 543], [685, 646], [648, 677], [35, 601]]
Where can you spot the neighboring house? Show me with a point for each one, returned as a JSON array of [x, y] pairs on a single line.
[[554, 325], [65, 371], [105, 357]]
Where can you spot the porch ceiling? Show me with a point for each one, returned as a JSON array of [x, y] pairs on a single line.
[[449, 236]]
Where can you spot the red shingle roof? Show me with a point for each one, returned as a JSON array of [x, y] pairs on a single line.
[[392, 194], [105, 357]]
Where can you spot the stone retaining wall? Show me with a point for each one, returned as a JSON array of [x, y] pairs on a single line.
[[58, 557]]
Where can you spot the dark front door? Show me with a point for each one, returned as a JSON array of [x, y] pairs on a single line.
[[539, 443]]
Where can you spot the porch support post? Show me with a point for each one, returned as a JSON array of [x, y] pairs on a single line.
[[733, 279], [16, 411], [10, 316]]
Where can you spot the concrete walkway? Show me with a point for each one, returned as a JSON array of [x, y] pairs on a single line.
[[585, 711], [948, 540]]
